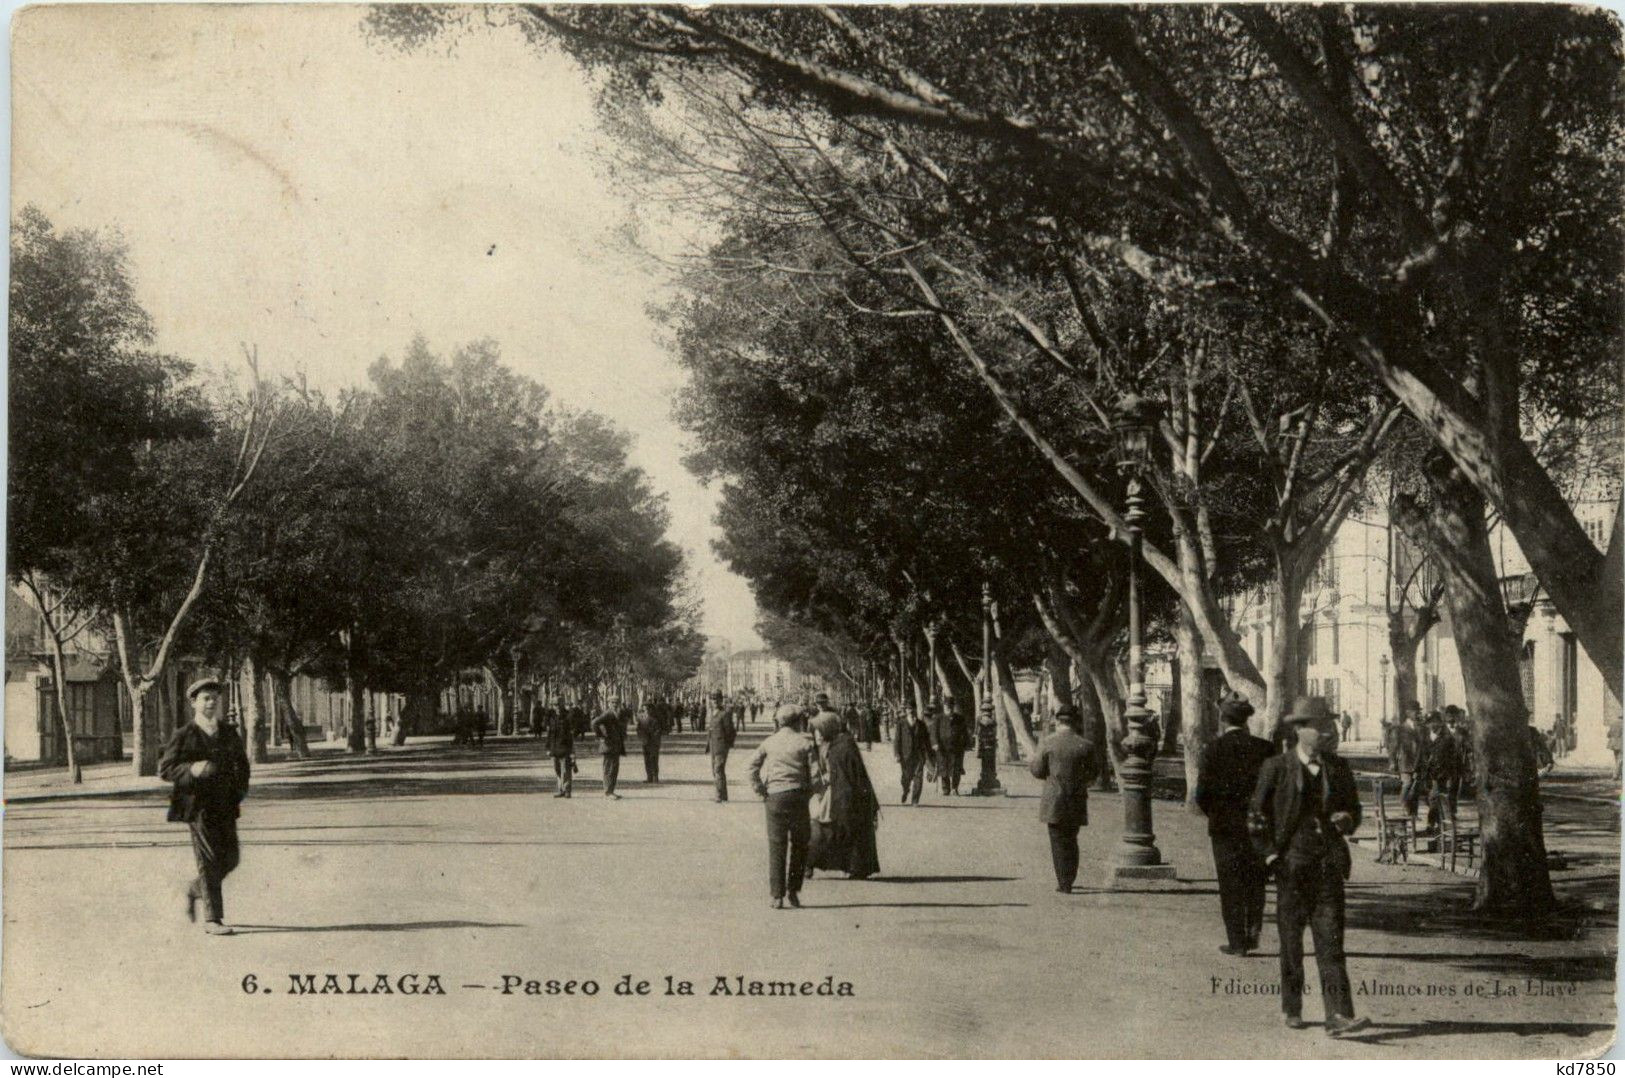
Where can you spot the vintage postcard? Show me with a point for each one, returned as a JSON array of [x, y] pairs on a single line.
[[813, 532]]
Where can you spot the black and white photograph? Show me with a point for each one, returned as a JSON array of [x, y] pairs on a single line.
[[883, 531]]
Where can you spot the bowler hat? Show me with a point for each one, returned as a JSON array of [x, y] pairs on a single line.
[[203, 683], [1309, 709], [1235, 709], [1068, 714]]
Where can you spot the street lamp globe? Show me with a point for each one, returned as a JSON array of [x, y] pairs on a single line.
[[1136, 416]]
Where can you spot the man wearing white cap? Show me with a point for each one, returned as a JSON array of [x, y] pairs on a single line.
[[207, 762]]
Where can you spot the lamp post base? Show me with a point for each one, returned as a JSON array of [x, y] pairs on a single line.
[[1139, 876]]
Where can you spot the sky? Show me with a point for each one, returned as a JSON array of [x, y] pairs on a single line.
[[285, 182]]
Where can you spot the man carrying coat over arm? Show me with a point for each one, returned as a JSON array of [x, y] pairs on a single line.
[[1227, 775], [1303, 805], [1066, 761], [207, 762]]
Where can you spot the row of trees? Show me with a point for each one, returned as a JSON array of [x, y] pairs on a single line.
[[1356, 253], [444, 518]]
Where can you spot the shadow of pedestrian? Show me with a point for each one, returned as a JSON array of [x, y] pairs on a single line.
[[403, 926]]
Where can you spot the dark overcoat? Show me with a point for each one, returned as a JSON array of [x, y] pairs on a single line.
[[218, 793], [1228, 773], [1067, 762]]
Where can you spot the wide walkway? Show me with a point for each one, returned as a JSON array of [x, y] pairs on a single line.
[[461, 864]]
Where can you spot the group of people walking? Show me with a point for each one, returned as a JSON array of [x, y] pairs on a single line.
[[1284, 815], [1433, 758], [931, 747], [1271, 815]]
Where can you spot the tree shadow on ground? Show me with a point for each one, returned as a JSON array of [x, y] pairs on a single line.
[[942, 879], [403, 926], [914, 905], [1389, 1032], [1446, 911], [1513, 964]]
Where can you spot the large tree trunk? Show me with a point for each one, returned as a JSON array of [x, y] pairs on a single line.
[[1058, 664], [1514, 878], [1402, 643], [59, 688], [1022, 742], [259, 732], [1285, 672], [1195, 724], [287, 716], [356, 687]]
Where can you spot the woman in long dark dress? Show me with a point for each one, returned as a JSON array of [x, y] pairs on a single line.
[[844, 836]]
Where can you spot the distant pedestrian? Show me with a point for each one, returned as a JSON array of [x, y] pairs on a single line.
[[785, 773], [1066, 760], [1228, 772], [911, 747], [718, 741], [1407, 756], [950, 738], [1303, 805], [1347, 724], [207, 763], [561, 745], [650, 733], [610, 727]]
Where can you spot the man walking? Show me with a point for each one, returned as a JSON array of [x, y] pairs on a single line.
[[785, 773], [911, 746], [952, 738], [718, 740], [1303, 805], [650, 732], [1066, 761], [561, 745], [1407, 755], [611, 730], [1228, 773], [207, 763]]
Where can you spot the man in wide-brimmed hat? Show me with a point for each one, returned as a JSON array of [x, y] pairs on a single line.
[[1304, 803], [1228, 772], [207, 763]]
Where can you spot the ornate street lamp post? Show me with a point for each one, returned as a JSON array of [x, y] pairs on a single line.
[[987, 730], [1137, 858], [1383, 663]]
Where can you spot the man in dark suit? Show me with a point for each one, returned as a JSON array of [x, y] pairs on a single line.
[[1303, 805], [950, 737], [912, 747], [611, 730], [561, 745], [1066, 761], [207, 762], [1228, 773], [651, 731], [718, 740]]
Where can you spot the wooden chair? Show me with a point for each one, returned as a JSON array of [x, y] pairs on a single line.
[[1396, 835], [1455, 843]]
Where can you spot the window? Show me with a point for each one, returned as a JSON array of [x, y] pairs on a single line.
[[1335, 659], [1596, 533], [1309, 649], [82, 706], [1258, 645], [1329, 688]]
